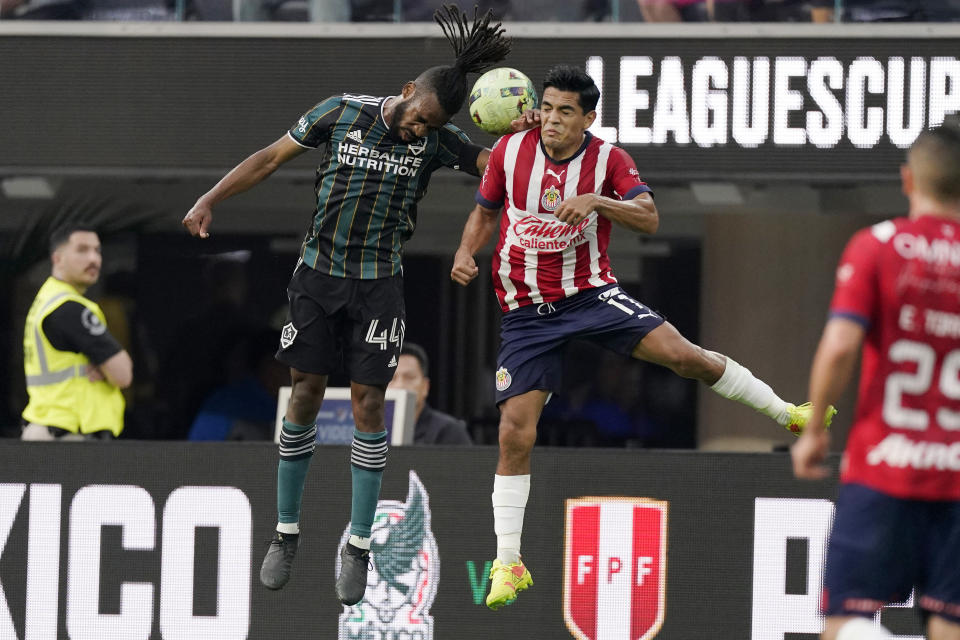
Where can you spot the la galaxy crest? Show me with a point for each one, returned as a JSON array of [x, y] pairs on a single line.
[[417, 146], [402, 583]]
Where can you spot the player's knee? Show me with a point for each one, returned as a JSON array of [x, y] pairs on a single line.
[[368, 411], [305, 400], [515, 434], [308, 389]]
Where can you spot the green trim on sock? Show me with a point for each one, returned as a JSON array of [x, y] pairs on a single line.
[[292, 426], [369, 436]]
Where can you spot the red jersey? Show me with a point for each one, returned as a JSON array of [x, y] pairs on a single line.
[[901, 280], [538, 258]]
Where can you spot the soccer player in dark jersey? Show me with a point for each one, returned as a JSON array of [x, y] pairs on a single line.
[[897, 294], [346, 293], [561, 191]]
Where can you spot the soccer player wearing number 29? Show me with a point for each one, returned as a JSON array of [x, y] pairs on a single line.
[[562, 190], [897, 294], [346, 293]]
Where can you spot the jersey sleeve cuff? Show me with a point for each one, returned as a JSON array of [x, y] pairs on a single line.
[[637, 190], [851, 315], [468, 158], [305, 146], [488, 204]]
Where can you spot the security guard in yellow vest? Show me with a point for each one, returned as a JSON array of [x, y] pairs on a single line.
[[74, 368]]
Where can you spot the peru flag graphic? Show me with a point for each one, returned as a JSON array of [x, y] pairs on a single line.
[[614, 569]]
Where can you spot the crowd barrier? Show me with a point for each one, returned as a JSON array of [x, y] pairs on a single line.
[[137, 540]]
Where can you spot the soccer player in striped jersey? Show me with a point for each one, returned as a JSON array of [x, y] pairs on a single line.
[[346, 293], [897, 296], [562, 190]]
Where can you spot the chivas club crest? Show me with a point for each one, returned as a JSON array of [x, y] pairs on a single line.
[[614, 568], [405, 573], [503, 379], [550, 199]]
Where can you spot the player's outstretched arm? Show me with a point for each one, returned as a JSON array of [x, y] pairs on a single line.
[[482, 159], [476, 234], [830, 374], [252, 171]]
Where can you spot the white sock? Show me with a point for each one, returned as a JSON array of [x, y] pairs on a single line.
[[737, 383], [862, 629], [509, 502], [290, 528], [360, 542]]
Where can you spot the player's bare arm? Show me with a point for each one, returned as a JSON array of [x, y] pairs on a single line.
[[482, 159], [476, 234], [639, 214], [830, 374], [255, 169]]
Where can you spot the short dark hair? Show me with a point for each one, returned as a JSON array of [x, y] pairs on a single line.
[[418, 352], [565, 77], [935, 158], [477, 47], [61, 235]]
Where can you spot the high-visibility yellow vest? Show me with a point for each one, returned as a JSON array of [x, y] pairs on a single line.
[[61, 394]]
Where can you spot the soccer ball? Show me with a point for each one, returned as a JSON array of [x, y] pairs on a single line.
[[499, 96]]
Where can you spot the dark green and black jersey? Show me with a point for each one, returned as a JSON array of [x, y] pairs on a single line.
[[368, 184]]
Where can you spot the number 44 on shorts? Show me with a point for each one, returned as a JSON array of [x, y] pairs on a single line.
[[397, 329]]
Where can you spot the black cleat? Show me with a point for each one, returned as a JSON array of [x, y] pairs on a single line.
[[275, 571], [352, 581]]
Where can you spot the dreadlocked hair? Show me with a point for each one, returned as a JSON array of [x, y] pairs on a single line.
[[477, 46]]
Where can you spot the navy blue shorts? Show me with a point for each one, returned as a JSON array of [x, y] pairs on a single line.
[[532, 337], [883, 547]]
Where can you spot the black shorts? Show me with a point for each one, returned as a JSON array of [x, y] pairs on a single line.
[[343, 324]]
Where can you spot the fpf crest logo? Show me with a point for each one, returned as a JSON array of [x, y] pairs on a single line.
[[402, 584], [614, 569]]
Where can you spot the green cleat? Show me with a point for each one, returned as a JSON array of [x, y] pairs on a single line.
[[507, 580], [799, 415]]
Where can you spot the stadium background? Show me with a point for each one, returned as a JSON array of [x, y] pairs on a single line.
[[130, 123]]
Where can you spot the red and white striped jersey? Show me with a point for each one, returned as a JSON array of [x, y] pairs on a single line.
[[900, 279], [539, 258]]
